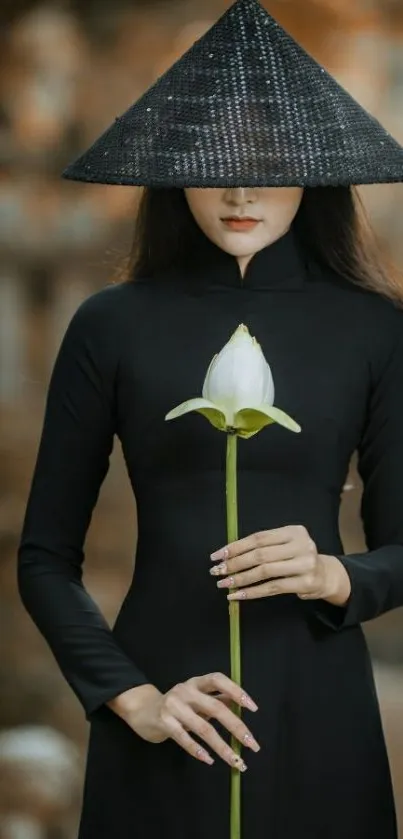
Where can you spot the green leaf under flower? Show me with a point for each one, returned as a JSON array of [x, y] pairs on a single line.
[[250, 421], [202, 406], [247, 422]]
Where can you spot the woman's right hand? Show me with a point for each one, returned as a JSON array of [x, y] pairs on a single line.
[[186, 709]]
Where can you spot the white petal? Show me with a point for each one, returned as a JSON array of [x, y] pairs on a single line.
[[268, 390], [239, 376], [205, 385]]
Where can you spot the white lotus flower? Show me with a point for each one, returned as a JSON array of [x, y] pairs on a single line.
[[238, 391]]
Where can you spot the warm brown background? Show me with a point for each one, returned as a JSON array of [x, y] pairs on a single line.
[[67, 69]]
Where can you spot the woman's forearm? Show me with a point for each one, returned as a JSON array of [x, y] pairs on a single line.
[[131, 700]]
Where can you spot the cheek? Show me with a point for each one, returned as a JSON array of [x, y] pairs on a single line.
[[292, 201], [204, 220], [283, 209], [202, 207]]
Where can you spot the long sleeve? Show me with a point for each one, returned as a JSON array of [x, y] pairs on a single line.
[[72, 462], [377, 575]]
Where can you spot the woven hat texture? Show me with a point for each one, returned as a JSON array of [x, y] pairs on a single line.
[[244, 106]]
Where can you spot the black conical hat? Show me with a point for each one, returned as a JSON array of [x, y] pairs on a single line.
[[244, 106]]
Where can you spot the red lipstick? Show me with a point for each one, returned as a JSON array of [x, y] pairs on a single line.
[[240, 223]]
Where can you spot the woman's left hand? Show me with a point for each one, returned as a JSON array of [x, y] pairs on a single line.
[[281, 561]]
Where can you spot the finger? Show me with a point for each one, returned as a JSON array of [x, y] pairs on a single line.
[[176, 732], [277, 536], [211, 682], [299, 566], [206, 732], [229, 703], [289, 585], [258, 556], [225, 699], [222, 698], [229, 720], [261, 573]]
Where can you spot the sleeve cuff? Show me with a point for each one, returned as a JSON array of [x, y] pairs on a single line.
[[95, 705], [343, 617]]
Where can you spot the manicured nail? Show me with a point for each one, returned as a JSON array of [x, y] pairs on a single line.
[[228, 583], [201, 754], [238, 762], [251, 743], [237, 595], [218, 569], [221, 554], [247, 702]]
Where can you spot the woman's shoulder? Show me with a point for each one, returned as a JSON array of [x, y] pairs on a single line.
[[371, 322], [107, 324], [113, 305], [116, 318], [359, 300], [111, 298]]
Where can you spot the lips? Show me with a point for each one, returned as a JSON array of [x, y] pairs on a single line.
[[240, 223]]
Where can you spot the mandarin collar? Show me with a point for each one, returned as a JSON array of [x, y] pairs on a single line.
[[280, 266]]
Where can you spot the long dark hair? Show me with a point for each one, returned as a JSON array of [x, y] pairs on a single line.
[[331, 225]]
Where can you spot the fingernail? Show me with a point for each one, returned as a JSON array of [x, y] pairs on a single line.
[[228, 583], [247, 702], [221, 554], [203, 755], [238, 762], [237, 595], [218, 569], [251, 743]]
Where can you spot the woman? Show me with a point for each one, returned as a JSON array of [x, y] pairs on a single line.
[[156, 688]]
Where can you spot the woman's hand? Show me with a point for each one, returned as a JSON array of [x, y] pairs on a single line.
[[188, 707], [281, 561]]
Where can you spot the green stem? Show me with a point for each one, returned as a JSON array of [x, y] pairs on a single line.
[[235, 641]]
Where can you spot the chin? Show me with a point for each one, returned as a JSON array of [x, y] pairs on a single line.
[[239, 244]]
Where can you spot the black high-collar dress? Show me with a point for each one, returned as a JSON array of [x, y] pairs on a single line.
[[131, 353]]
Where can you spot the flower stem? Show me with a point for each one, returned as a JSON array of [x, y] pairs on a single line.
[[235, 641]]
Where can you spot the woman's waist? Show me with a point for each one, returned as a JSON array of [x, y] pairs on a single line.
[[174, 637], [185, 537], [169, 645], [185, 510], [191, 487]]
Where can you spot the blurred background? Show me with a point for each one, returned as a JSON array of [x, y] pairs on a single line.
[[66, 70]]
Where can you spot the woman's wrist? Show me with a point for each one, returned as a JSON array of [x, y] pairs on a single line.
[[338, 583], [132, 700]]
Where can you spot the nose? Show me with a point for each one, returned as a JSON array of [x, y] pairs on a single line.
[[239, 195]]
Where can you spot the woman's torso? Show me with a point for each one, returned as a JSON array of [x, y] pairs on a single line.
[[319, 337]]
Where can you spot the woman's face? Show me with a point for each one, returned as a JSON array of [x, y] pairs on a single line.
[[273, 208]]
